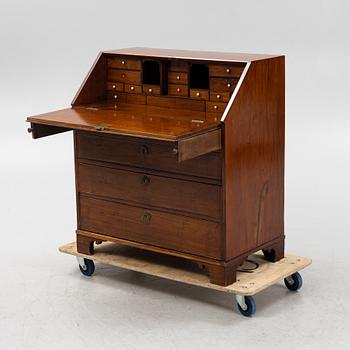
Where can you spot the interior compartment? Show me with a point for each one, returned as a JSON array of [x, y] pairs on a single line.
[[199, 76], [151, 73]]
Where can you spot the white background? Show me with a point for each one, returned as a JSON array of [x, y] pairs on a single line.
[[46, 50]]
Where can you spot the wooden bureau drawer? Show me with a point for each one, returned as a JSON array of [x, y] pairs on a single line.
[[125, 76], [133, 89], [177, 78], [223, 84], [151, 190], [115, 86], [229, 70], [124, 63], [219, 96], [153, 227], [216, 107], [151, 89], [145, 154], [199, 94], [177, 90]]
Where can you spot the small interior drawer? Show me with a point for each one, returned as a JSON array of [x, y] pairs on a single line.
[[199, 94], [216, 107], [223, 84], [177, 90], [133, 89], [151, 89], [115, 86], [124, 63], [232, 70], [125, 76], [177, 78], [178, 66], [219, 96]]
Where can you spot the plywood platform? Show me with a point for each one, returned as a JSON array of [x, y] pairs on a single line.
[[184, 271]]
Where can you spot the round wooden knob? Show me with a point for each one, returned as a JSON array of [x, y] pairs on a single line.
[[178, 89], [215, 107], [177, 77], [218, 96], [198, 94], [150, 90], [113, 86], [228, 85], [132, 88], [123, 62], [228, 70]]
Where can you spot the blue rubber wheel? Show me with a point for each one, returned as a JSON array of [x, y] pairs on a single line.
[[294, 282], [88, 269], [249, 309]]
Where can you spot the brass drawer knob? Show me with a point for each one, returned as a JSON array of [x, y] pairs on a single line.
[[228, 85], [113, 86], [132, 88], [146, 217], [198, 94], [123, 62], [144, 150], [178, 90], [115, 97], [145, 180], [228, 70], [150, 90], [177, 77], [218, 96], [216, 107]]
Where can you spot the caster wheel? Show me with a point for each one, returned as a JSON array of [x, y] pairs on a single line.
[[294, 282], [88, 268], [246, 305], [269, 254]]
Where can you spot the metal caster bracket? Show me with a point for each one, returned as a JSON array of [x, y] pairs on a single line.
[[241, 302], [81, 262]]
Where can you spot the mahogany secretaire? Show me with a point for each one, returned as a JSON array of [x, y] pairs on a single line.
[[179, 152]]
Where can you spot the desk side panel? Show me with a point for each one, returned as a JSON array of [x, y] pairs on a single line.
[[254, 160]]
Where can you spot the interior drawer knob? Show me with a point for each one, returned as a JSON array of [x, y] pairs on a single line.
[[228, 70], [113, 86], [228, 85], [115, 97], [144, 150], [146, 217], [177, 77], [218, 96], [123, 62], [123, 75], [216, 107], [198, 94], [178, 90], [150, 90], [145, 180], [132, 88]]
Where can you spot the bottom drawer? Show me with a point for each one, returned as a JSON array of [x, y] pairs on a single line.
[[194, 236]]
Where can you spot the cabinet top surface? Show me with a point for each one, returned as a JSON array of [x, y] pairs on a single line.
[[133, 120], [191, 55]]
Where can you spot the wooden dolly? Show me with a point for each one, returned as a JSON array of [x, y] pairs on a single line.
[[256, 277]]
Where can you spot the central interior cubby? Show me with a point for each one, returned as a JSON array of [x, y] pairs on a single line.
[[199, 76], [151, 72]]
